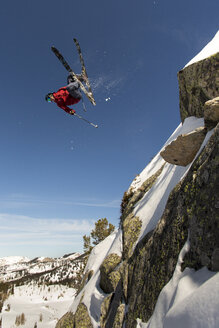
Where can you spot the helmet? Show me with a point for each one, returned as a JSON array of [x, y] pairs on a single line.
[[48, 97], [70, 79]]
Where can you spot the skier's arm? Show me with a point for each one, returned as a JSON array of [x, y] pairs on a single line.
[[65, 108]]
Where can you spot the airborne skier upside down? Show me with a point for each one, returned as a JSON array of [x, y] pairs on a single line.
[[66, 96], [71, 94]]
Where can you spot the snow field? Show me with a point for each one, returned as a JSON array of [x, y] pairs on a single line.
[[43, 305]]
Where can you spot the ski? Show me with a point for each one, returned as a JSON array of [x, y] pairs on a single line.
[[68, 68], [83, 69], [84, 119]]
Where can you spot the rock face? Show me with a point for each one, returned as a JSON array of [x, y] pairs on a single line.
[[198, 83], [192, 206], [132, 283]]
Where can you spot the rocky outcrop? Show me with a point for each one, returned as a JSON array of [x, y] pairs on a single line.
[[198, 83], [199, 90], [192, 206]]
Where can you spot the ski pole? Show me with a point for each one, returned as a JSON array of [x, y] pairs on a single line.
[[84, 119]]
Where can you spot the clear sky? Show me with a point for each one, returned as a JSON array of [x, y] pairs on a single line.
[[58, 174]]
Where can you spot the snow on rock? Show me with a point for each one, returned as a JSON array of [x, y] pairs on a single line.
[[190, 299], [210, 49]]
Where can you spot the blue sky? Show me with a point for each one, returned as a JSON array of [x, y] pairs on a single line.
[[58, 174]]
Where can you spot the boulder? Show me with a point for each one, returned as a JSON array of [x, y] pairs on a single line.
[[211, 112], [82, 318], [109, 277], [182, 150]]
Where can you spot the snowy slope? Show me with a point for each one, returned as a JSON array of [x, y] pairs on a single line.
[[42, 305]]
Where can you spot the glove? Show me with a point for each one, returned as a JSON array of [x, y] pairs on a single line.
[[72, 112]]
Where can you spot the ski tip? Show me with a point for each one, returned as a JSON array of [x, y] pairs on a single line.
[[94, 125]]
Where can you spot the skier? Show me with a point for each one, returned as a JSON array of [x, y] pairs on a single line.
[[68, 95]]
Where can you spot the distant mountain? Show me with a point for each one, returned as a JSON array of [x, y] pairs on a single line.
[[13, 260], [64, 270]]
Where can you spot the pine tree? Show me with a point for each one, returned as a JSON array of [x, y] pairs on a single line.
[[102, 229], [87, 244]]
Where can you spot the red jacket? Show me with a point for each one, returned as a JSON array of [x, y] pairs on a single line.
[[63, 99]]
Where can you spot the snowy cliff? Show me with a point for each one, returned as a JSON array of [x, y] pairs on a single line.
[[160, 268]]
